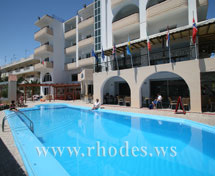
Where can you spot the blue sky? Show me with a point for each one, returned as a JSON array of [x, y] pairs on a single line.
[[17, 18]]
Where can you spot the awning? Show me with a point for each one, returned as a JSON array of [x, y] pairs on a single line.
[[205, 28]]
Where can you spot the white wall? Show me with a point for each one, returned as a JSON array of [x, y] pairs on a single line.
[[174, 18], [58, 53]]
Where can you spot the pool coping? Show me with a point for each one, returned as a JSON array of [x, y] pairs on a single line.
[[35, 164], [141, 115]]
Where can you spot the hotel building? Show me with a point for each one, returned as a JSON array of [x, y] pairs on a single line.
[[24, 68], [183, 69]]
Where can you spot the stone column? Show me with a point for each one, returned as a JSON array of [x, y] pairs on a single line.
[[12, 88]]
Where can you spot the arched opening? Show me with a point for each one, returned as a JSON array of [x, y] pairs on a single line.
[[47, 77], [116, 91], [169, 85], [152, 3], [126, 24], [125, 12]]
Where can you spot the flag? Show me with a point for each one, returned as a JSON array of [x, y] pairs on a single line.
[[129, 47], [94, 55], [114, 50], [195, 30], [103, 55], [149, 44], [167, 38]]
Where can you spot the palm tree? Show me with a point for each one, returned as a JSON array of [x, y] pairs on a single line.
[[36, 90], [21, 80]]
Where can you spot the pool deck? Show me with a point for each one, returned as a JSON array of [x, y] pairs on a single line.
[[206, 118], [11, 162]]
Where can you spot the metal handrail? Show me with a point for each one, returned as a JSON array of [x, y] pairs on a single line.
[[5, 118], [16, 112]]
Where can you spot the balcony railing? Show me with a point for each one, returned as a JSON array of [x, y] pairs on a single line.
[[70, 33], [86, 62], [70, 50], [86, 22], [86, 41], [44, 65], [125, 22], [43, 34], [165, 7], [43, 50], [154, 58]]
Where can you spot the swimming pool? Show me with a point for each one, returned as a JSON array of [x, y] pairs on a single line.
[[124, 143]]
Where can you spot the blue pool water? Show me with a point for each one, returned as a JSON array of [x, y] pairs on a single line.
[[63, 126]]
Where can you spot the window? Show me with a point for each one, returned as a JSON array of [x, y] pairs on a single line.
[[46, 59], [74, 77], [47, 78], [90, 89], [46, 91], [97, 27]]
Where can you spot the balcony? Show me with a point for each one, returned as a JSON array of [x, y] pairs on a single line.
[[86, 62], [81, 63], [43, 66], [43, 35], [86, 41], [70, 66], [165, 8], [115, 3], [44, 21], [127, 22], [43, 51], [24, 70], [70, 33], [86, 23], [70, 50], [156, 58]]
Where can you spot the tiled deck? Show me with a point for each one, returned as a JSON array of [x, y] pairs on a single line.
[[10, 160]]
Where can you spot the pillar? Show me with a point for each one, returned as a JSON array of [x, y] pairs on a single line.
[[12, 87], [143, 20], [192, 11], [77, 40], [135, 97], [195, 96]]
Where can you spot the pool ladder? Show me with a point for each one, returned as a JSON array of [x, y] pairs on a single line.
[[16, 113]]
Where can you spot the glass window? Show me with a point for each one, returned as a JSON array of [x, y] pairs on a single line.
[[47, 78], [74, 77]]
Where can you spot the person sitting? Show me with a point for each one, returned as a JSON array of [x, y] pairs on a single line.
[[13, 106], [212, 55], [157, 100], [96, 105], [21, 101]]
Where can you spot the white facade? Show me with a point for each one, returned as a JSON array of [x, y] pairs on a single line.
[[137, 20], [150, 20]]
